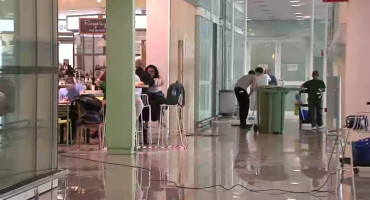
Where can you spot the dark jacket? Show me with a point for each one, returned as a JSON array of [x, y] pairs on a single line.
[[145, 78]]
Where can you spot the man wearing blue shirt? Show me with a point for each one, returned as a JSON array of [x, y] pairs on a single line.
[[71, 91]]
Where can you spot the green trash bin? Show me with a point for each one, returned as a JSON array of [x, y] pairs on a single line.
[[271, 109]]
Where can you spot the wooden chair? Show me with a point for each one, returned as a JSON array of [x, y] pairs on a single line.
[[63, 112], [82, 128]]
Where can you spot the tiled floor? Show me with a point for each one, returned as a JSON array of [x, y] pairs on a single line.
[[294, 161]]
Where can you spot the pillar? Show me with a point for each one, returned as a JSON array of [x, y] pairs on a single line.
[[356, 74], [158, 37], [120, 76]]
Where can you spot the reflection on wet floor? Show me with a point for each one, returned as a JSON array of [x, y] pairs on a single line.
[[294, 161]]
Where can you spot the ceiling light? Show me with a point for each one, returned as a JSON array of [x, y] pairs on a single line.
[[296, 5], [249, 19], [294, 1], [296, 170], [299, 16], [299, 19], [72, 10], [297, 13], [307, 17], [99, 1], [290, 198], [295, 183]]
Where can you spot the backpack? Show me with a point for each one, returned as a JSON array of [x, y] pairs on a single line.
[[173, 94], [89, 102]]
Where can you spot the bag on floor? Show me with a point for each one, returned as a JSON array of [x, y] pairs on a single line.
[[175, 90]]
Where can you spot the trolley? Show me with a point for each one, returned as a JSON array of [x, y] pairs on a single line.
[[303, 110], [349, 140]]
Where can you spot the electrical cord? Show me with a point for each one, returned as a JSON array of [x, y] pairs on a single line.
[[318, 190]]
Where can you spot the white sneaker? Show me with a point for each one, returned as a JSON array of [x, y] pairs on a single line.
[[321, 127], [314, 128]]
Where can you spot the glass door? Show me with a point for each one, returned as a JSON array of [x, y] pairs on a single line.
[[294, 70], [263, 53]]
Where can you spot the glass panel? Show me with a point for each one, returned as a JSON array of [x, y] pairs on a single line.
[[88, 44], [99, 44], [293, 60], [239, 68], [26, 100], [205, 40], [78, 44], [17, 135], [88, 64], [263, 55]]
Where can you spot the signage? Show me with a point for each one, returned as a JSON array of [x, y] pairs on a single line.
[[92, 26], [62, 26], [335, 0], [292, 67]]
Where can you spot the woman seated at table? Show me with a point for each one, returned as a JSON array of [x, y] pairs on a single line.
[[156, 96]]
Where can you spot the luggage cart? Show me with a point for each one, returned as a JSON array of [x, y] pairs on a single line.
[[348, 137]]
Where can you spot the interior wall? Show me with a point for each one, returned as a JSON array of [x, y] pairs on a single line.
[[157, 35], [356, 80], [183, 28]]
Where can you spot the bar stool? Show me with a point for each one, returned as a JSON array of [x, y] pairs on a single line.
[[163, 126], [145, 99], [139, 124]]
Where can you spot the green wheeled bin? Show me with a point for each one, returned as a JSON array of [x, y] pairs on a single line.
[[271, 109]]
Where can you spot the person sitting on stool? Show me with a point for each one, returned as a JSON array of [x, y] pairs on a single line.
[[242, 95]]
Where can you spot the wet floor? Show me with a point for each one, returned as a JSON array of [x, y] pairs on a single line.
[[224, 163]]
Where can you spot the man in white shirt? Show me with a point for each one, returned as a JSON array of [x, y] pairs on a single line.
[[261, 78], [242, 96]]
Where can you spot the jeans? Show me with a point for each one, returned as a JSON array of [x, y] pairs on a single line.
[[243, 100], [315, 109]]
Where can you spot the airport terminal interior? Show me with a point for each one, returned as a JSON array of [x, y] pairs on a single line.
[[184, 99]]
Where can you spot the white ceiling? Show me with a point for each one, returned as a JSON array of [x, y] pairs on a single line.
[[84, 7], [283, 9]]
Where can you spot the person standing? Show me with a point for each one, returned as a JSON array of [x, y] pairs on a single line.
[[315, 88], [242, 96], [147, 80]]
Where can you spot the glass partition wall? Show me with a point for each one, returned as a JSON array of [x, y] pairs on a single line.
[[220, 51], [289, 39], [28, 90]]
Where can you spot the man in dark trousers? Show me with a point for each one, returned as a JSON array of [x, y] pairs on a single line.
[[242, 96], [315, 88], [147, 80]]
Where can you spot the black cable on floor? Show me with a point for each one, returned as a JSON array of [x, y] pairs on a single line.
[[318, 190]]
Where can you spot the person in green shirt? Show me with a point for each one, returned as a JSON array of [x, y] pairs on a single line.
[[315, 88]]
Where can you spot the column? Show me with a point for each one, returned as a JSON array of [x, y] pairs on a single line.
[[120, 76], [158, 37], [356, 74]]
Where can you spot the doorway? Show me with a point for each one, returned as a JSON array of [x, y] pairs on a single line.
[[288, 59]]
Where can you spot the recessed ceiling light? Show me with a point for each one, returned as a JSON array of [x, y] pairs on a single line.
[[296, 170], [297, 13], [307, 17], [72, 10], [290, 198], [295, 183], [99, 1], [296, 5], [249, 19], [294, 1], [300, 19]]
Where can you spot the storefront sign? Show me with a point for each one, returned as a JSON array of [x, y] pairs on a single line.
[[92, 26], [335, 0]]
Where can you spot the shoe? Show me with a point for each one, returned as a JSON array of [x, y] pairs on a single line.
[[314, 128], [320, 127]]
